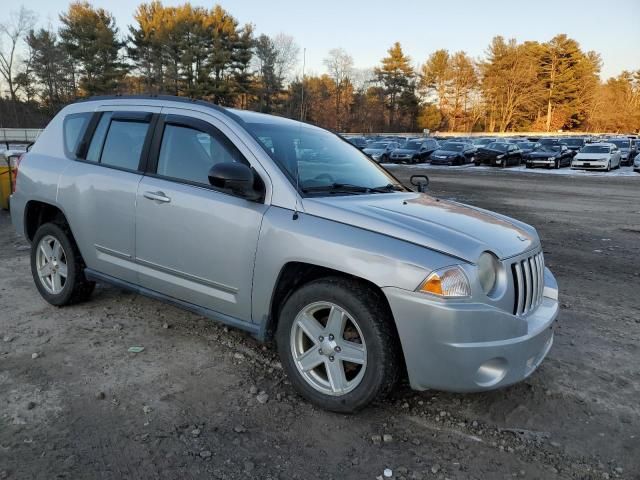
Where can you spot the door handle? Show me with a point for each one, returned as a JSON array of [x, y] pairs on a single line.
[[157, 196]]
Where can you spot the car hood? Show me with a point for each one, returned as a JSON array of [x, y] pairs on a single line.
[[591, 156], [445, 226], [490, 151], [403, 151], [542, 154], [446, 153]]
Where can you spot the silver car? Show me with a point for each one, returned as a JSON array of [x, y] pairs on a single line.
[[285, 230], [597, 156]]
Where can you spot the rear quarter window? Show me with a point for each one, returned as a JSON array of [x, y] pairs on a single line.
[[73, 127]]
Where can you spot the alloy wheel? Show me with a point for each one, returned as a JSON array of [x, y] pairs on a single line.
[[328, 348], [51, 264]]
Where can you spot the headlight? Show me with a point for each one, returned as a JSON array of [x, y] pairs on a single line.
[[447, 282], [500, 156], [488, 269], [551, 159]]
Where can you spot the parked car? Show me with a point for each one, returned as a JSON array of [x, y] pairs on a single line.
[[627, 152], [499, 155], [599, 156], [549, 155], [636, 163], [359, 142], [574, 143], [380, 151], [358, 278], [481, 142], [453, 153], [527, 146], [411, 151]]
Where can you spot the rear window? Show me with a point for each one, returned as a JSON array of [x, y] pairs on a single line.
[[73, 127]]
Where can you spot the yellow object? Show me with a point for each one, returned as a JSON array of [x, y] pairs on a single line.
[[433, 284], [6, 175]]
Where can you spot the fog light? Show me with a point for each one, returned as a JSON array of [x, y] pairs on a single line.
[[491, 372]]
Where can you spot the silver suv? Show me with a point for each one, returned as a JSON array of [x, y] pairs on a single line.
[[285, 230]]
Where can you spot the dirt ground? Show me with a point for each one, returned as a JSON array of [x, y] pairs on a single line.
[[74, 403]]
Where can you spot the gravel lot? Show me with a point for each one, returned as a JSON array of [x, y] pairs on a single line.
[[74, 403]]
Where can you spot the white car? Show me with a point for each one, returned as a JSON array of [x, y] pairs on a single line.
[[597, 156], [636, 163]]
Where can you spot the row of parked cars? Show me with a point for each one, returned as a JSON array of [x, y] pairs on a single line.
[[587, 152]]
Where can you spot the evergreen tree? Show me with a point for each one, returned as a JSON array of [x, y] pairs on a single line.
[[90, 36]]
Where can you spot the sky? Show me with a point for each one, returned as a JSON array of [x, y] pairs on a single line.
[[366, 29]]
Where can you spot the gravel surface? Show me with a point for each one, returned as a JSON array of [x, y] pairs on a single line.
[[205, 401]]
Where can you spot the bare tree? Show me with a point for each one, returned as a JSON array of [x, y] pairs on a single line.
[[340, 66], [287, 52], [12, 33]]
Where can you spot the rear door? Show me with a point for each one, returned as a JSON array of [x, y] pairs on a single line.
[[98, 190], [195, 243]]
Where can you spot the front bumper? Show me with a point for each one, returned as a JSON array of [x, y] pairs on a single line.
[[540, 162], [590, 165], [466, 347]]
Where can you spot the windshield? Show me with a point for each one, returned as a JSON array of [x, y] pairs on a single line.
[[526, 145], [620, 143], [411, 145], [377, 145], [595, 149], [482, 141], [574, 142], [321, 158], [452, 147], [498, 146]]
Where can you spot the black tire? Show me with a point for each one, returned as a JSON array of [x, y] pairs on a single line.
[[76, 288], [556, 164], [376, 323]]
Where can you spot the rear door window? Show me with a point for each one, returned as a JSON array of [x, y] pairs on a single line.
[[118, 142]]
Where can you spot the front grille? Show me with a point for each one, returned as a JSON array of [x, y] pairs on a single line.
[[528, 281]]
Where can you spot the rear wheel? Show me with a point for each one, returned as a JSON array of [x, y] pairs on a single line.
[[337, 344], [57, 266]]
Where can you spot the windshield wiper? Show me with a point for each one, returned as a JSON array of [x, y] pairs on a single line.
[[389, 187], [337, 188], [350, 188]]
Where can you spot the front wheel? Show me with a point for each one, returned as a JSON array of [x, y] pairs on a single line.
[[57, 266], [337, 344]]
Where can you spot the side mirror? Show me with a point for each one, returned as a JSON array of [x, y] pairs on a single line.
[[420, 181], [235, 178]]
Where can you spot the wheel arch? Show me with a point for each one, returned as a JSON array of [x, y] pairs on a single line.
[[37, 213], [294, 274]]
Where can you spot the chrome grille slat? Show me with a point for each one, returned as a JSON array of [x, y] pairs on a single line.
[[528, 279], [528, 286], [520, 297]]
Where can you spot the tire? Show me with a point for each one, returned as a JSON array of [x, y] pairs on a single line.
[[609, 166], [374, 378], [556, 165], [75, 288]]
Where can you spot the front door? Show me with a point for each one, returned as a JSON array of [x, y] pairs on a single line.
[[193, 242]]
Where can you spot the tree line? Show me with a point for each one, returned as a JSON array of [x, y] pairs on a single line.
[[205, 53]]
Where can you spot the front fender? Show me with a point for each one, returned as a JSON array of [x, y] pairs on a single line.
[[380, 259]]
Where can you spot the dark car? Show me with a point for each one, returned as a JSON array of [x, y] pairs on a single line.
[[412, 151], [454, 153], [627, 149], [574, 143], [499, 155], [550, 155], [359, 142], [527, 146]]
